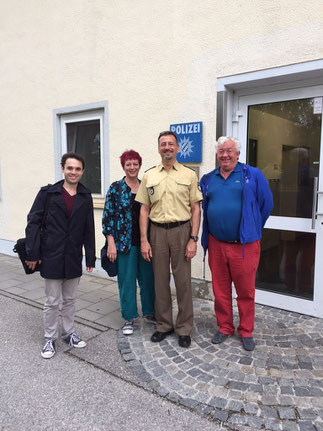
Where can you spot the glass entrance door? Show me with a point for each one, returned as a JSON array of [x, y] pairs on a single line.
[[282, 134]]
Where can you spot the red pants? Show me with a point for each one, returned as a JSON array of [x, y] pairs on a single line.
[[238, 264]]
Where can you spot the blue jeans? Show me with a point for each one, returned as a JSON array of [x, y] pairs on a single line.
[[133, 267]]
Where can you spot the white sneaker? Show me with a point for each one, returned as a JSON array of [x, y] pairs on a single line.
[[48, 350], [127, 328]]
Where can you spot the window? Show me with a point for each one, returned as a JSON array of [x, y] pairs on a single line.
[[83, 130]]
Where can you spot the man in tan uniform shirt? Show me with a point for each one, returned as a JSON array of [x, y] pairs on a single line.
[[170, 199]]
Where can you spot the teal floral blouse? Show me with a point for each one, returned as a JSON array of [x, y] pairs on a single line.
[[116, 218]]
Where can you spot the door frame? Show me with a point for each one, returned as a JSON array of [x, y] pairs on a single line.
[[293, 81], [293, 303]]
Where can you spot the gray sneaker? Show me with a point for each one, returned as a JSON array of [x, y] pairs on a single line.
[[48, 350]]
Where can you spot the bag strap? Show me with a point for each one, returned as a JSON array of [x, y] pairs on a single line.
[[46, 209]]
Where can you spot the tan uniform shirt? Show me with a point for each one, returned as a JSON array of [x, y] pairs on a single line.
[[169, 194]]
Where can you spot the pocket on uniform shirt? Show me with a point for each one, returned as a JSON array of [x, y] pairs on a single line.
[[183, 187], [153, 191]]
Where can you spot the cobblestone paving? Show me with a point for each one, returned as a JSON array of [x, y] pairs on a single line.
[[278, 386]]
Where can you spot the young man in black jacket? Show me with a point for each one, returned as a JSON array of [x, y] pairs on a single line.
[[60, 223]]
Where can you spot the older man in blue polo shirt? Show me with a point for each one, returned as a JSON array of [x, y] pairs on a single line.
[[237, 203]]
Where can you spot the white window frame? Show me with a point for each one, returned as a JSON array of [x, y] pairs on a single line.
[[64, 116]]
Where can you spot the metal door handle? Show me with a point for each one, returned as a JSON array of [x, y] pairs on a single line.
[[316, 192]]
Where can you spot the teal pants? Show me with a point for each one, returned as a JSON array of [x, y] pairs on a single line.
[[133, 267]]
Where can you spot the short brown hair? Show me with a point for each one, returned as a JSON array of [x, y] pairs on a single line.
[[70, 155], [166, 133]]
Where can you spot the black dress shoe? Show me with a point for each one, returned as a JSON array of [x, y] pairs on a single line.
[[157, 336], [184, 340]]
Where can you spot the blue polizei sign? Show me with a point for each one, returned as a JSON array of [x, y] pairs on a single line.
[[189, 137]]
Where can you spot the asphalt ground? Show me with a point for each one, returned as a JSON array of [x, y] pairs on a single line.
[[120, 382], [68, 392]]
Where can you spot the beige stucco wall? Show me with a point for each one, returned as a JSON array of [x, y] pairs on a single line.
[[156, 62]]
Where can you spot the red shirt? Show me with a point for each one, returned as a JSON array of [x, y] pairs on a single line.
[[69, 201]]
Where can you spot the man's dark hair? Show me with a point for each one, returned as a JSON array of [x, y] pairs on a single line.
[[71, 155], [166, 133]]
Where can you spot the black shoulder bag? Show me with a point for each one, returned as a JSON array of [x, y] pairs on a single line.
[[20, 246]]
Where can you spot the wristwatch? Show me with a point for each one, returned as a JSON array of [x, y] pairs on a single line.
[[194, 238]]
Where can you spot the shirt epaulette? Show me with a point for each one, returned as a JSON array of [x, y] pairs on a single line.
[[150, 169], [189, 167]]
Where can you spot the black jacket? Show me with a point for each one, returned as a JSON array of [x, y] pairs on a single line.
[[59, 246]]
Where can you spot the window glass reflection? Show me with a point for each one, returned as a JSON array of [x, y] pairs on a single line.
[[284, 142], [287, 263], [83, 137]]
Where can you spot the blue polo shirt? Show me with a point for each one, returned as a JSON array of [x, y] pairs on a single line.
[[225, 205]]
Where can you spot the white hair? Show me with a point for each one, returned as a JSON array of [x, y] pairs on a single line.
[[223, 139]]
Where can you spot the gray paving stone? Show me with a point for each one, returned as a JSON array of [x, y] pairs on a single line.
[[236, 375], [290, 426], [307, 413], [266, 380], [235, 406], [88, 315], [180, 375], [301, 392], [95, 295], [103, 307], [129, 357], [250, 408], [220, 415], [188, 402], [238, 385], [286, 400], [268, 412], [203, 377], [16, 290], [269, 400], [204, 410], [237, 419], [194, 372], [307, 426], [163, 392], [272, 424], [255, 422], [286, 390], [218, 402], [286, 413], [111, 320], [256, 388], [189, 381], [174, 397]]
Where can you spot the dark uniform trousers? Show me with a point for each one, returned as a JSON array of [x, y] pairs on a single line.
[[168, 247]]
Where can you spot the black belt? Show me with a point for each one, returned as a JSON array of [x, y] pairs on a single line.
[[169, 225], [236, 241]]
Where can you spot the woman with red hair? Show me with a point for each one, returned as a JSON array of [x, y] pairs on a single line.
[[120, 225]]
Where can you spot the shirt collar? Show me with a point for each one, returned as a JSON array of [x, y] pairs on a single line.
[[175, 166], [236, 169]]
